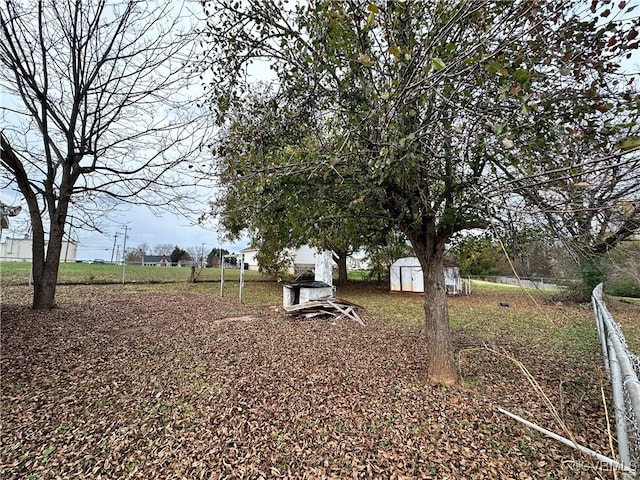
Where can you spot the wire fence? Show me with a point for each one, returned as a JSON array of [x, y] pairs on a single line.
[[540, 283], [622, 368], [19, 273]]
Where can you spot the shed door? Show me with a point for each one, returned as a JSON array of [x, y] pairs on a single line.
[[417, 282], [406, 279], [411, 279]]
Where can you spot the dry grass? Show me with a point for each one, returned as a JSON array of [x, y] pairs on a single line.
[[174, 382]]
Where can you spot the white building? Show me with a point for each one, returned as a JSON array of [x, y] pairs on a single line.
[[358, 261], [20, 250], [303, 258], [406, 276]]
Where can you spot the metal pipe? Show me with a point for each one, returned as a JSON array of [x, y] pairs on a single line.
[[621, 373], [241, 276], [600, 327], [618, 404], [615, 464], [222, 275]]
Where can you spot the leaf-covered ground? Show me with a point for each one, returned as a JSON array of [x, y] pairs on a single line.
[[188, 385]]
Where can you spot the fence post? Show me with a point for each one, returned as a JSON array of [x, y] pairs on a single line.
[[222, 276], [241, 294]]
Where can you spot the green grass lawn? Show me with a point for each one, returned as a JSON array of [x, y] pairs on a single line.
[[532, 316], [16, 273]]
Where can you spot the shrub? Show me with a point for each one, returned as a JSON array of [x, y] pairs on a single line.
[[623, 288]]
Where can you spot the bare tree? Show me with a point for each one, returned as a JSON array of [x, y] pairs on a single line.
[[136, 255], [99, 111], [163, 248]]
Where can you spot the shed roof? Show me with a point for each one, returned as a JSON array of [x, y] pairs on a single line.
[[155, 258], [413, 262], [406, 262]]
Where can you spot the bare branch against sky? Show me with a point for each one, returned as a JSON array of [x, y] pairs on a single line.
[[102, 110], [100, 97]]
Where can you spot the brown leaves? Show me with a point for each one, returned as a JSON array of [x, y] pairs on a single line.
[[193, 386]]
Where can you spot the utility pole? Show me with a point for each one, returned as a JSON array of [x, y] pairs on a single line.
[[115, 237], [124, 250]]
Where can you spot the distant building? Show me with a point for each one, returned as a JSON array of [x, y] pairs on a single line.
[[155, 261], [7, 211], [358, 261], [303, 259], [21, 250]]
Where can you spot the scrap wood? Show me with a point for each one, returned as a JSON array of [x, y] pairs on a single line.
[[346, 302], [349, 312], [317, 313], [334, 307], [311, 305]]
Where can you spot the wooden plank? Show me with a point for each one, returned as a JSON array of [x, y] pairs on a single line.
[[335, 308], [346, 311], [307, 306]]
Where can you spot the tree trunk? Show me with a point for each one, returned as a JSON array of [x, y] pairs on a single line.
[[44, 291], [45, 266], [44, 284], [442, 367], [341, 260]]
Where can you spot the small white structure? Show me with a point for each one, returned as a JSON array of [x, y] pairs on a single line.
[[406, 276], [358, 261], [303, 259], [7, 211], [21, 250], [250, 258], [324, 267], [320, 289]]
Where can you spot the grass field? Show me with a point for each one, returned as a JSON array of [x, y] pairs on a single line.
[[168, 380], [15, 273]]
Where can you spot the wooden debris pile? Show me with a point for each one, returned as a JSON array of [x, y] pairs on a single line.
[[333, 307]]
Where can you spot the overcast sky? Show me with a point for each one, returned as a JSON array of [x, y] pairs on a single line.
[[143, 226]]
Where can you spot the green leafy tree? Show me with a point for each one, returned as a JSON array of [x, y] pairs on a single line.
[[386, 249], [214, 256], [271, 186], [480, 255], [623, 269], [179, 255], [435, 111], [510, 249]]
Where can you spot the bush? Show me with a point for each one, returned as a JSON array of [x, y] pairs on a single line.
[[623, 288]]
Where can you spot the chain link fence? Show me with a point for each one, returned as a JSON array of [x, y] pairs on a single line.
[[622, 368]]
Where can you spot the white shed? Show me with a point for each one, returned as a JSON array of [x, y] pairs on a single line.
[[406, 276]]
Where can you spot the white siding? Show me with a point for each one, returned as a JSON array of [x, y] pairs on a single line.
[[20, 250], [405, 275]]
